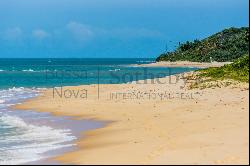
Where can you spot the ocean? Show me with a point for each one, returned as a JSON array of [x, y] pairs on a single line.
[[29, 136]]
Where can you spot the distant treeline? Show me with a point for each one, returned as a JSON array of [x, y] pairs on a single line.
[[227, 45]]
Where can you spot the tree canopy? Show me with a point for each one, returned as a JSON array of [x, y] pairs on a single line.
[[226, 45]]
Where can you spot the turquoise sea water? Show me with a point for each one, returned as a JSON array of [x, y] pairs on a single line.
[[56, 72], [31, 136]]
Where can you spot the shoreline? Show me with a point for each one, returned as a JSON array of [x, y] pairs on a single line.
[[183, 64], [155, 131], [36, 124]]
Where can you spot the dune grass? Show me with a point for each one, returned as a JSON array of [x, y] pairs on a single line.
[[238, 70]]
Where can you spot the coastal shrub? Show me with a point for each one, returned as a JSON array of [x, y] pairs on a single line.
[[226, 45], [238, 70]]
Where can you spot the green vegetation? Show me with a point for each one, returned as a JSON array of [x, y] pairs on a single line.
[[228, 45], [238, 70], [226, 75]]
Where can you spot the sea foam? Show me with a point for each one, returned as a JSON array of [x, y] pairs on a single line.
[[22, 142], [31, 141]]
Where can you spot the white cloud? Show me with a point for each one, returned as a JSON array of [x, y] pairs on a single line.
[[13, 33], [83, 32], [40, 34], [79, 31], [135, 33]]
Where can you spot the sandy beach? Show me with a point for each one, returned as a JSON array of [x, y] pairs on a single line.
[[154, 122], [183, 64], [118, 82]]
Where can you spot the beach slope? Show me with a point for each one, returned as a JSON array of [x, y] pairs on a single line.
[[173, 125]]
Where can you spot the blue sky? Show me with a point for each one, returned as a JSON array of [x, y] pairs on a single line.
[[110, 28]]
